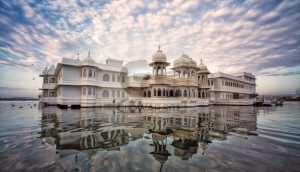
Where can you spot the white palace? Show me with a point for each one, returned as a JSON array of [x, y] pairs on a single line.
[[89, 84]]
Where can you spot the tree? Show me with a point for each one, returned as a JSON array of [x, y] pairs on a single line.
[[253, 95], [147, 76]]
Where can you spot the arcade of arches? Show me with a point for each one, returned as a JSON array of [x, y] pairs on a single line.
[[165, 92]]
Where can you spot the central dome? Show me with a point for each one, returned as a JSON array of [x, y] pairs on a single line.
[[88, 59], [159, 56], [184, 60]]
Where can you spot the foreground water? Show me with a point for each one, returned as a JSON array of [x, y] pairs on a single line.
[[215, 138]]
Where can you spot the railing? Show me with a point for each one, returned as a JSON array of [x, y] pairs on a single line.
[[159, 79]]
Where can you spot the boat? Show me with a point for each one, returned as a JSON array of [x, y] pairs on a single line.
[[12, 104], [266, 104], [21, 106], [278, 103], [263, 102]]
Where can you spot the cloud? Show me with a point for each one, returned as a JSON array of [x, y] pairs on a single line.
[[29, 12], [284, 74], [253, 36]]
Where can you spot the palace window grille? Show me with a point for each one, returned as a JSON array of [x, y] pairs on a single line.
[[113, 78], [106, 77], [105, 93], [90, 73]]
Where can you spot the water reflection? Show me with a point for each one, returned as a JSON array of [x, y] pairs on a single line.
[[185, 130]]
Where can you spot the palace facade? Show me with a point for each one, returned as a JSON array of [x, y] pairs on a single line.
[[89, 84]]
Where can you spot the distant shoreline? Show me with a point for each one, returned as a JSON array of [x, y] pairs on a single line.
[[289, 100], [19, 99]]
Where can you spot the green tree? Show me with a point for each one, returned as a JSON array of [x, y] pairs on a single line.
[[253, 95]]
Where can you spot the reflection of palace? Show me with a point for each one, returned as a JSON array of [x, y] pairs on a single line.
[[85, 83], [92, 130]]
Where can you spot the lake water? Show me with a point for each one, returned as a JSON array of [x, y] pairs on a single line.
[[215, 138]]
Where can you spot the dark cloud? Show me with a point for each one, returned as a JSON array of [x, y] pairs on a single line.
[[285, 74]]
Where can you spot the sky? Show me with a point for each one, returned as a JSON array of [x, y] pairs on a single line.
[[261, 37]]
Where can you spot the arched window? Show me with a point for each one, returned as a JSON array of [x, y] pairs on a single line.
[[118, 94], [94, 74], [164, 92], [159, 92], [184, 74], [145, 94], [45, 80], [154, 92], [203, 95], [123, 79], [45, 94], [113, 78], [90, 91], [90, 73], [193, 74], [105, 93], [154, 71], [94, 91], [223, 83], [123, 94], [206, 94], [52, 80], [171, 93], [149, 93], [106, 77], [178, 93], [118, 78], [208, 82], [199, 94], [158, 70], [84, 91], [84, 72], [113, 93], [212, 83], [52, 94], [185, 93], [177, 74]]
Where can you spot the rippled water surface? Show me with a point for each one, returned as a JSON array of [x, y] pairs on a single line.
[[215, 138]]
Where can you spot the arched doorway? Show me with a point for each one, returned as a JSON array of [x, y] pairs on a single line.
[[171, 93], [185, 93], [178, 93], [149, 93], [159, 92], [145, 94]]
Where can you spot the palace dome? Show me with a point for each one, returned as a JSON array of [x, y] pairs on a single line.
[[184, 60], [159, 56], [88, 59], [202, 66]]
